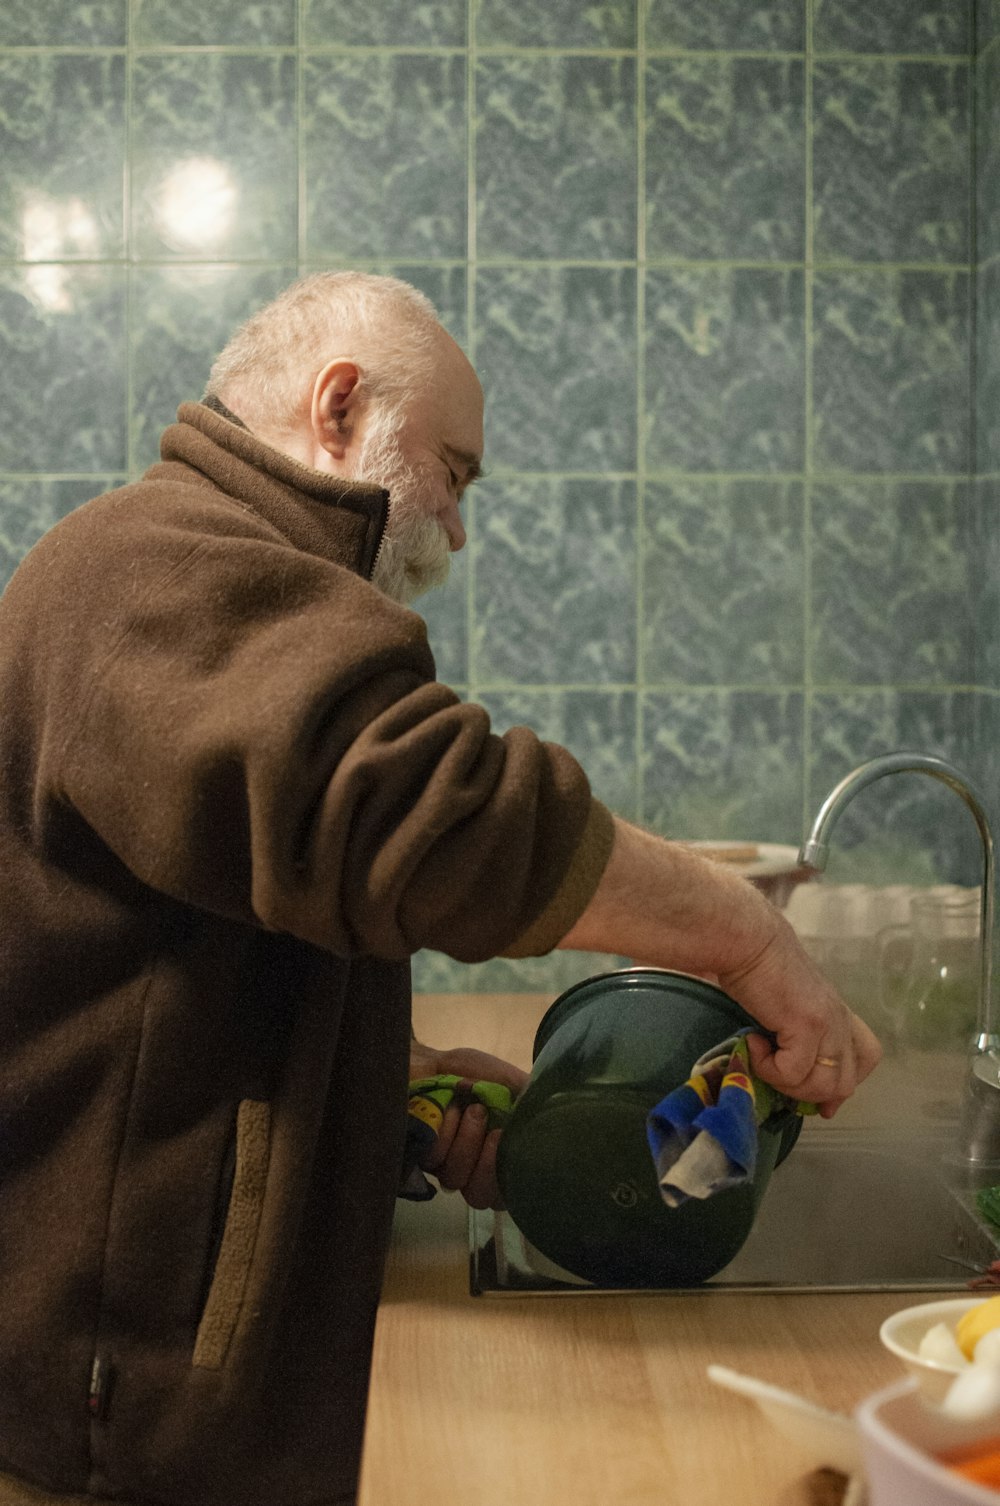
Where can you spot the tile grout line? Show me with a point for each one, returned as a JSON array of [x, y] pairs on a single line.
[[640, 409], [129, 263], [301, 225]]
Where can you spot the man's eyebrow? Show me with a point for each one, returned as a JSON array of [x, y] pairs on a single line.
[[470, 463]]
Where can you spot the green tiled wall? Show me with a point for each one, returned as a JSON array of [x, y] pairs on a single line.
[[737, 323]]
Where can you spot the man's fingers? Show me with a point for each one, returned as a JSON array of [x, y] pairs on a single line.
[[455, 1166]]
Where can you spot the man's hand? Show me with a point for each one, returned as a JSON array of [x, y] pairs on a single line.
[[463, 1158], [659, 902]]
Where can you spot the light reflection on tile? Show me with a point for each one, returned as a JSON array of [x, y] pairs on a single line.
[[62, 383], [62, 143], [214, 151]]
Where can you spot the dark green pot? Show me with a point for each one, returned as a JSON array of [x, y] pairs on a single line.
[[574, 1164]]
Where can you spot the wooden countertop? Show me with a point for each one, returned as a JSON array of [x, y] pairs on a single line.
[[593, 1401]]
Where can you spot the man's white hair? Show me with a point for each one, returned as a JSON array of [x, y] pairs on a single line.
[[267, 369]]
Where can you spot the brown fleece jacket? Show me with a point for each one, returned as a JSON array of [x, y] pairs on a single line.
[[234, 800]]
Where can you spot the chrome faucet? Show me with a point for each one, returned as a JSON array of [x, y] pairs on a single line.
[[980, 1121]]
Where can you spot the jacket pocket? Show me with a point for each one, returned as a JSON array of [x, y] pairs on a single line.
[[239, 1236]]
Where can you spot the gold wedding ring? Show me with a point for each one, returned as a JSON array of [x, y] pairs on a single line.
[[827, 1061]]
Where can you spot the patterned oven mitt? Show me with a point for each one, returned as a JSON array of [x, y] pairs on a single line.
[[703, 1135], [428, 1099]]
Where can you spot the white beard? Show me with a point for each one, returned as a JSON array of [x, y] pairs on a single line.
[[415, 552]]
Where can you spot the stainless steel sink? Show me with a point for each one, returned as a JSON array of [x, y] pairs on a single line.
[[850, 1210]]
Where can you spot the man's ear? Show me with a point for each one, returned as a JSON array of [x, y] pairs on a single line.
[[336, 401]]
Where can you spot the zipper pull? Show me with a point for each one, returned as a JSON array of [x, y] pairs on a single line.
[[97, 1393]]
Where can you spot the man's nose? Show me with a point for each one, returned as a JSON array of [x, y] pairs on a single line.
[[454, 528]]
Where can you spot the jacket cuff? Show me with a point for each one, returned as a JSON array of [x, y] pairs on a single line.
[[576, 890]]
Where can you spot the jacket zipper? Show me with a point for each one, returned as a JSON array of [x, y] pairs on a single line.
[[381, 540]]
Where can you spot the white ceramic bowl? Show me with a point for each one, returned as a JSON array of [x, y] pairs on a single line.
[[901, 1334], [899, 1436]]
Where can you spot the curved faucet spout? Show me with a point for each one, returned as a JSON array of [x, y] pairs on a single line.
[[981, 1130]]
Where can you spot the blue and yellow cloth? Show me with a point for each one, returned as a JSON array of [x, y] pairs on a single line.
[[703, 1135], [427, 1101]]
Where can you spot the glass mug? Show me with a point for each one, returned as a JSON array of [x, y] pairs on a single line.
[[930, 970]]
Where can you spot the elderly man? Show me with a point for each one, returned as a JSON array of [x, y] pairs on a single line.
[[234, 801]]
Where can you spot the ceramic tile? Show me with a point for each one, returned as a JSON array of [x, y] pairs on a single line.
[[906, 26], [987, 391], [987, 23], [891, 371], [985, 593], [557, 23], [192, 23], [722, 583], [766, 26], [987, 752], [725, 158], [912, 827], [724, 369], [723, 764], [62, 381], [597, 726], [390, 23], [988, 155], [29, 508], [555, 157], [181, 319], [385, 155], [62, 143], [213, 162], [891, 160], [445, 612], [556, 353], [891, 569], [555, 582], [63, 23]]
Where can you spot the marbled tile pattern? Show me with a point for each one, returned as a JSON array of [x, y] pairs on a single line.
[[192, 23], [389, 23], [597, 726], [915, 816], [722, 583], [552, 975], [891, 371], [763, 26], [213, 156], [29, 508], [385, 155], [557, 23], [62, 144], [446, 613], [988, 155], [891, 160], [987, 23], [555, 582], [556, 349], [63, 23], [725, 165], [987, 394], [723, 763], [724, 369], [985, 593], [891, 579], [181, 319], [62, 380], [555, 157], [904, 26]]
